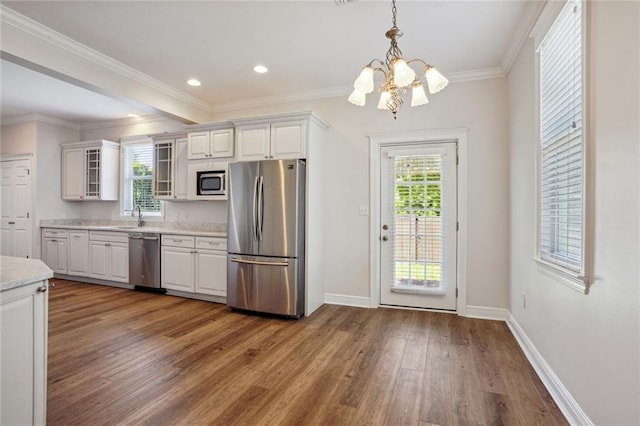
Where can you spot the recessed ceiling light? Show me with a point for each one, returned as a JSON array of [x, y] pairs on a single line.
[[193, 82], [260, 69], [133, 116]]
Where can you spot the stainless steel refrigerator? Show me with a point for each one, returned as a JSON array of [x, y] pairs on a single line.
[[265, 236]]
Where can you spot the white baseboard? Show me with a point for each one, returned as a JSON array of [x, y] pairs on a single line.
[[569, 407], [482, 312], [346, 300]]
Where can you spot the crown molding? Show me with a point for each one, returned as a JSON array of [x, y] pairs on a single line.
[[475, 75], [123, 122], [529, 17], [42, 119], [333, 92], [10, 17]]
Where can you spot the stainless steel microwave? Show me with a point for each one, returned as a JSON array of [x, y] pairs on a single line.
[[211, 182]]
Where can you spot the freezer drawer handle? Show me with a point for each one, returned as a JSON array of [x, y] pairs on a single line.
[[257, 262], [150, 238]]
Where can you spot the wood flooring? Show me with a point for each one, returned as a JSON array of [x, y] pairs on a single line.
[[119, 357]]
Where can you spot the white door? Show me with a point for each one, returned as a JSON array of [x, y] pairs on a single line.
[[73, 174], [119, 262], [419, 221], [15, 210], [177, 268], [211, 272], [253, 142], [78, 253], [99, 259], [288, 139]]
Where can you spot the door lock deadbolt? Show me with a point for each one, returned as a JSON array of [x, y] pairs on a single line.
[[385, 227]]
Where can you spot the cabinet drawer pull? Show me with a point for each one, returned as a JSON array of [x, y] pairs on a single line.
[[12, 223]]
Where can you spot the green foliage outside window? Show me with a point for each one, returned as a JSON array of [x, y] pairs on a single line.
[[418, 193], [142, 187]]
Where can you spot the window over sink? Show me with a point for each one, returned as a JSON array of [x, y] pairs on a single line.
[[137, 174]]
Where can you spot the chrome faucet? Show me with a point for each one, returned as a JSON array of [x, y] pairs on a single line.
[[139, 214]]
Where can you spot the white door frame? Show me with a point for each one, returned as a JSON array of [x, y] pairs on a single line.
[[390, 139]]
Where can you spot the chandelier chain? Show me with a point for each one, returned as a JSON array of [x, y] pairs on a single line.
[[394, 11]]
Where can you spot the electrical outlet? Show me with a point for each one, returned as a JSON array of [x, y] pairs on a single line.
[[524, 301], [183, 216]]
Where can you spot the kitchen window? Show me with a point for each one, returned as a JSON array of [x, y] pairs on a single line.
[[137, 173], [562, 148]]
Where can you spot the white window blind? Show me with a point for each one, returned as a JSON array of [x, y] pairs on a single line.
[[417, 214], [561, 178], [137, 170]]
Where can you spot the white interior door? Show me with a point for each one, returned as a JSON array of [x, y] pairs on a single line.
[[419, 225], [15, 210]]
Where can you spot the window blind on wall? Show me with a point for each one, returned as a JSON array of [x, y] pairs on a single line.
[[561, 141], [137, 178], [418, 222]]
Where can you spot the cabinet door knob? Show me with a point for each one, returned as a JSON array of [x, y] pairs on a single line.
[[42, 289]]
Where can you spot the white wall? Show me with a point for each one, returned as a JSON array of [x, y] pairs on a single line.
[[479, 106], [19, 138], [591, 342]]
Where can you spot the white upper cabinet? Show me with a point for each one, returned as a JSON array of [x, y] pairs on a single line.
[[90, 170], [288, 139], [216, 143], [275, 137], [254, 142], [170, 167]]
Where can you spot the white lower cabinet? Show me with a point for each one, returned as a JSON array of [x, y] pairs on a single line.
[[23, 338], [194, 264], [54, 250], [78, 253], [177, 269], [109, 256]]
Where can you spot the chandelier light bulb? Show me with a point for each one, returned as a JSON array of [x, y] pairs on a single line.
[[435, 80], [364, 82], [357, 97], [384, 97], [418, 96], [403, 75]]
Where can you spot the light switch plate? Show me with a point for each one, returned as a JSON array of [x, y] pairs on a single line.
[[364, 210]]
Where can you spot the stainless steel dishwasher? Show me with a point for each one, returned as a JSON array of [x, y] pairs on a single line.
[[144, 261]]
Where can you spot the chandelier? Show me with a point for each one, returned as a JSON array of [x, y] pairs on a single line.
[[398, 77]]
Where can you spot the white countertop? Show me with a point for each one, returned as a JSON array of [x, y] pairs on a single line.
[[19, 271], [158, 230]]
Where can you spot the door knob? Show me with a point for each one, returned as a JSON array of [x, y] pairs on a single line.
[[385, 227], [385, 238]]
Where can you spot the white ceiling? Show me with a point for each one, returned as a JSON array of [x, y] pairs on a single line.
[[309, 46]]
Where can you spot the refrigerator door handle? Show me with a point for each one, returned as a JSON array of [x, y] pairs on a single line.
[[255, 208], [260, 206], [258, 262]]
